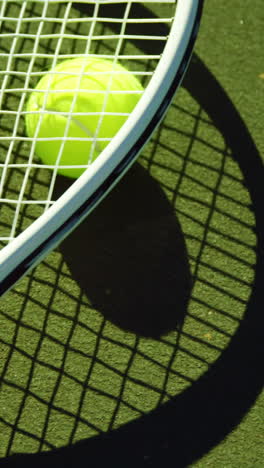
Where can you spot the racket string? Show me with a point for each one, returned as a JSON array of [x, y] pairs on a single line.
[[36, 39]]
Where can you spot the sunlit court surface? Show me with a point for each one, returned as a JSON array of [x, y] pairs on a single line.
[[138, 341]]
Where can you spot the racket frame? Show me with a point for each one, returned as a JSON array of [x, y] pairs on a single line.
[[46, 232]]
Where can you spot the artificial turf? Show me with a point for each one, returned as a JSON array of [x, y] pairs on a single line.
[[147, 296]]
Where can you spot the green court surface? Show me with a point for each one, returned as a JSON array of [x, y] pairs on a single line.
[[146, 324]]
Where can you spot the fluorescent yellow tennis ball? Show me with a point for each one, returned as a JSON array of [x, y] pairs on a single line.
[[60, 97]]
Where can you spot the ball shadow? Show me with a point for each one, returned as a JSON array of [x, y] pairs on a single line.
[[130, 259]]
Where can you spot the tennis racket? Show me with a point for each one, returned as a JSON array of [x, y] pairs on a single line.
[[41, 34]]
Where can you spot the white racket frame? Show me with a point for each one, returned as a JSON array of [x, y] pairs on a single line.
[[44, 234]]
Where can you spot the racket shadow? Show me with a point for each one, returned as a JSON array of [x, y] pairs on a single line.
[[210, 408]]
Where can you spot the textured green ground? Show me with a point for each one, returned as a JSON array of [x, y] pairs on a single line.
[[70, 369], [230, 44]]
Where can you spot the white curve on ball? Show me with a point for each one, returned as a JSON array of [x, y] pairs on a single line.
[[81, 126]]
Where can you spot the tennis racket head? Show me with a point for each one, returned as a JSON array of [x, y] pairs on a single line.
[[33, 222]]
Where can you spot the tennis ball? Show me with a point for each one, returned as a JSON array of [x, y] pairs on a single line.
[[91, 97]]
